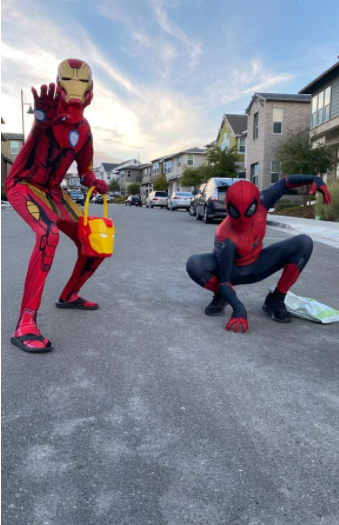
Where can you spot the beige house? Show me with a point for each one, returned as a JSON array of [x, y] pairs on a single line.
[[174, 165], [324, 112], [232, 133], [11, 144], [271, 116]]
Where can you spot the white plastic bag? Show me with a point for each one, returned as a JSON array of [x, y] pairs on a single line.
[[309, 309]]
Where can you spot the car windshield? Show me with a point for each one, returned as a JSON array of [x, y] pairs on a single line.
[[224, 182], [184, 194], [161, 194]]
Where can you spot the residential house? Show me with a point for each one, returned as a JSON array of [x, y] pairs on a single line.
[[271, 116], [232, 132], [128, 173], [11, 144], [172, 166], [106, 171], [146, 184], [324, 112]]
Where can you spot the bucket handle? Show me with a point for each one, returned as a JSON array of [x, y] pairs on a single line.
[[89, 193]]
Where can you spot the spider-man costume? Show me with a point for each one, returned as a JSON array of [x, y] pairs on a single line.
[[239, 257], [60, 135]]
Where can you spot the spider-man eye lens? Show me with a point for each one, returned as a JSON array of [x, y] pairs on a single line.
[[232, 210], [252, 209]]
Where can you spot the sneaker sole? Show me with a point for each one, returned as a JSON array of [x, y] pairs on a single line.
[[272, 316]]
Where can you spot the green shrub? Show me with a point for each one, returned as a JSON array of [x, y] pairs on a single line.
[[3, 193], [119, 200], [329, 213]]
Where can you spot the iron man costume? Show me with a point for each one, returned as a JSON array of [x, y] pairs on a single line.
[[239, 257], [60, 135]]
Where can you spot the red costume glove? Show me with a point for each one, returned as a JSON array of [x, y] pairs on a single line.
[[237, 322], [101, 186], [322, 188], [46, 106]]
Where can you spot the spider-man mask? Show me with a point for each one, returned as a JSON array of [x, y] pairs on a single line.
[[242, 201], [76, 83]]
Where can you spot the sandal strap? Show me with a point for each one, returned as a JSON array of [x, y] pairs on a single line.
[[30, 337]]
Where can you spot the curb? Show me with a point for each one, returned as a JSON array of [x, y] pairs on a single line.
[[281, 225]]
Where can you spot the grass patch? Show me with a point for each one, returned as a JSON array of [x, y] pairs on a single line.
[[304, 212]]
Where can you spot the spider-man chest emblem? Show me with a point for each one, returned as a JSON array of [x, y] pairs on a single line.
[[73, 137]]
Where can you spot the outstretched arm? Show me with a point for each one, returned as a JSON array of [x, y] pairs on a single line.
[[271, 195], [84, 160], [225, 253]]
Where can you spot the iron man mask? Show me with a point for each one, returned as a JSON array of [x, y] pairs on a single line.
[[76, 83]]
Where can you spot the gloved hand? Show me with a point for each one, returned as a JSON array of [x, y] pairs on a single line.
[[319, 185], [101, 186], [237, 322], [46, 106]]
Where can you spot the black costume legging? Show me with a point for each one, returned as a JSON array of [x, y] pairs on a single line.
[[296, 250]]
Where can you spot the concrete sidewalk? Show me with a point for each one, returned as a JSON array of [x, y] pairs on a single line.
[[326, 232]]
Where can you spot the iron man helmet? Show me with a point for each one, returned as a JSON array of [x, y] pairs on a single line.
[[76, 82]]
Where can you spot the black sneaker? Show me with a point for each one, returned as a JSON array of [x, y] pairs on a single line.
[[217, 306], [276, 309]]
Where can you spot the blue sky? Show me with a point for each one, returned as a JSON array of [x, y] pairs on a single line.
[[165, 71]]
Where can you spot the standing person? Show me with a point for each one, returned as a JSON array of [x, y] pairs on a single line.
[[60, 135], [239, 257]]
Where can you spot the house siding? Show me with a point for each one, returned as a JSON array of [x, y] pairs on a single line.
[[263, 150], [335, 99]]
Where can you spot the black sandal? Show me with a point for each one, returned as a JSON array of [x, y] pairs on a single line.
[[18, 341], [78, 304]]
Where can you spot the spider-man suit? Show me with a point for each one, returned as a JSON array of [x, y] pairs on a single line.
[[60, 135], [239, 257]]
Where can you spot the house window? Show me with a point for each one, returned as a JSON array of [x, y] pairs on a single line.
[[277, 121], [168, 166], [226, 143], [327, 103], [321, 104], [179, 161], [255, 173], [15, 147], [155, 169], [128, 173], [275, 171], [242, 174], [255, 126], [242, 145], [190, 160]]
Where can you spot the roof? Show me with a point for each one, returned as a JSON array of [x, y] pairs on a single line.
[[238, 124], [14, 136], [190, 150], [307, 89], [279, 97], [129, 167], [2, 121], [108, 166]]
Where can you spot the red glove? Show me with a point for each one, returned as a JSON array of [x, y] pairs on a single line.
[[101, 186], [47, 105], [237, 322], [323, 190]]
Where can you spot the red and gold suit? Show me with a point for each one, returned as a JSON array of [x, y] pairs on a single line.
[[60, 135]]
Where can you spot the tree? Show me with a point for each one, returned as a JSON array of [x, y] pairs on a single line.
[[297, 155], [114, 186], [160, 184], [219, 164], [133, 188]]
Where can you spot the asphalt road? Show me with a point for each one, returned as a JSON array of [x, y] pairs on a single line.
[[148, 412]]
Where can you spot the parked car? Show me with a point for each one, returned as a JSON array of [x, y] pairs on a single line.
[[180, 199], [157, 198], [211, 202], [97, 199], [192, 210], [77, 196], [133, 201]]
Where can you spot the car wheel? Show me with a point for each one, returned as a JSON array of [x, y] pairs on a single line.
[[206, 219], [172, 209], [161, 207], [191, 210], [151, 206], [197, 215]]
